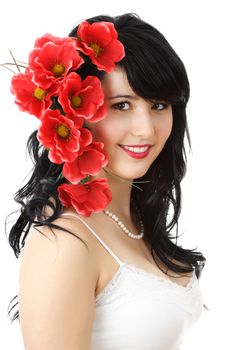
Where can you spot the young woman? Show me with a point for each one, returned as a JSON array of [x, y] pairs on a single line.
[[100, 265]]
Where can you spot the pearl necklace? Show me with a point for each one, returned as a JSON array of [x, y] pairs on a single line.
[[124, 228]]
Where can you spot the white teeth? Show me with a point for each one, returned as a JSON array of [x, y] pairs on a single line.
[[136, 149]]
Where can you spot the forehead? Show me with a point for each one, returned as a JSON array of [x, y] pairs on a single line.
[[116, 83]]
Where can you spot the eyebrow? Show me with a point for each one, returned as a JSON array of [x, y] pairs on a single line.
[[132, 97]]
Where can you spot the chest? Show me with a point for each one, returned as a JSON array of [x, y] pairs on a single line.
[[131, 251]]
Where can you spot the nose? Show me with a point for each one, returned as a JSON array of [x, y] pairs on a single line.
[[142, 123]]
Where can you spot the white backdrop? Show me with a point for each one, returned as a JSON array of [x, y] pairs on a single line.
[[208, 36]]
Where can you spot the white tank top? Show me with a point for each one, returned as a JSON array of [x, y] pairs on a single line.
[[138, 310]]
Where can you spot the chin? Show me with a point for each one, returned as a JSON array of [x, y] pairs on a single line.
[[128, 175]]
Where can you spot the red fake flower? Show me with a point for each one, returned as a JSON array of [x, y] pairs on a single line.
[[93, 196], [29, 96], [90, 160], [47, 38], [78, 121], [53, 62], [100, 42], [100, 114], [81, 98], [57, 132]]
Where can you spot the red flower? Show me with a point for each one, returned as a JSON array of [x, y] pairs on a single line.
[[81, 98], [100, 42], [29, 96], [93, 196], [53, 62], [90, 160], [78, 121], [46, 38], [100, 114], [57, 132]]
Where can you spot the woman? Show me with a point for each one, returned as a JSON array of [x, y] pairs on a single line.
[[99, 265]]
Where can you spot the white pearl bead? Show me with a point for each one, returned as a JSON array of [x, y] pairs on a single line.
[[123, 227]]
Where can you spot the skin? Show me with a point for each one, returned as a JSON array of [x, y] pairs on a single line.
[[130, 121], [57, 278]]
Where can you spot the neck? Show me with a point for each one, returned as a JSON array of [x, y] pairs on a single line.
[[121, 193]]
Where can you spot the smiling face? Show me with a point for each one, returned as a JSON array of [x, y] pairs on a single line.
[[131, 121]]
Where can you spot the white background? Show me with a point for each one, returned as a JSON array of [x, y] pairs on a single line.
[[208, 36]]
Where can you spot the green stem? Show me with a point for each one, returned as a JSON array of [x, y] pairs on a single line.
[[4, 65], [60, 177], [22, 62], [126, 181], [12, 64], [86, 179], [14, 60]]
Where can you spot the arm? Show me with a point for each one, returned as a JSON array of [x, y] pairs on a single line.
[[57, 283]]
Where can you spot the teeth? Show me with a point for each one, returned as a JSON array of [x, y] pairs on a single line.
[[136, 149]]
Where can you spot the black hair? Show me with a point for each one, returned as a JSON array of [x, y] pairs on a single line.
[[154, 72]]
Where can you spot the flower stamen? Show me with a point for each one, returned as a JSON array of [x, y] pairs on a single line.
[[76, 101], [63, 131], [58, 70], [96, 48], [39, 94]]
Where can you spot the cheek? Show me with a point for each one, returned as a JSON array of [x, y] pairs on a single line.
[[104, 132], [166, 127]]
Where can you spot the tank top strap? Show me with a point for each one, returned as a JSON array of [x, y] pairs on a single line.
[[96, 235]]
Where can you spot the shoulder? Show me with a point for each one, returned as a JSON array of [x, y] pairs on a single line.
[[68, 236], [57, 281]]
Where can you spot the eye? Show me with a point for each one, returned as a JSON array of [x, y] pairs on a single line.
[[122, 106], [160, 106]]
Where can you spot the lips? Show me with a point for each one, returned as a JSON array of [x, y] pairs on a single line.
[[136, 151]]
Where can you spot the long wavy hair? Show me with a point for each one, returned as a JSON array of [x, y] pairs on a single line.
[[154, 72]]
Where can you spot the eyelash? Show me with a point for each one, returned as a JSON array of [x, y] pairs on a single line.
[[116, 106]]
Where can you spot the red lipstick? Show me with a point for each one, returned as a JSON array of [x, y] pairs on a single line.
[[134, 154]]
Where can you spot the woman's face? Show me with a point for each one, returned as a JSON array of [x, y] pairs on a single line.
[[131, 121]]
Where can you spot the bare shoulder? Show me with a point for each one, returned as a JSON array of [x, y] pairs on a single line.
[[57, 282]]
